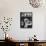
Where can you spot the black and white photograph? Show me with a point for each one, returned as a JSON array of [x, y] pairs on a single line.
[[26, 19]]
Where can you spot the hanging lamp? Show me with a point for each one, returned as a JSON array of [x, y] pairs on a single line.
[[36, 3]]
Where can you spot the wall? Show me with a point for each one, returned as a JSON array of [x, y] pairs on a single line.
[[12, 8]]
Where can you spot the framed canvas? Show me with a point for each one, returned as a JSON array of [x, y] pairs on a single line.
[[26, 19]]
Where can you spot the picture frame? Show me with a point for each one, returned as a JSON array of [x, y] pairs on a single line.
[[26, 19]]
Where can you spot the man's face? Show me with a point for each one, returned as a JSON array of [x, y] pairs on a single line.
[[27, 22]]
